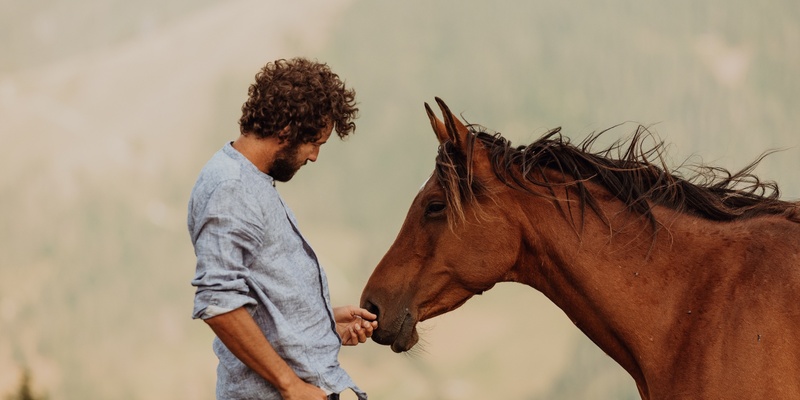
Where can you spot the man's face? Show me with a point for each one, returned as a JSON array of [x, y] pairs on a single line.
[[290, 158]]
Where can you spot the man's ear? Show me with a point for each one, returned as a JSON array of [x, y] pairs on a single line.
[[283, 135]]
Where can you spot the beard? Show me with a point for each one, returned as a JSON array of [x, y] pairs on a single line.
[[286, 164]]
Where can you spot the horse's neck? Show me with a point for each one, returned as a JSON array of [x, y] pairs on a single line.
[[620, 285]]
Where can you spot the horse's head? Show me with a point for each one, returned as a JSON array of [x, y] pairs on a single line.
[[455, 242]]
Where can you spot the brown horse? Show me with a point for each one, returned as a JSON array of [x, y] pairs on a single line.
[[691, 284]]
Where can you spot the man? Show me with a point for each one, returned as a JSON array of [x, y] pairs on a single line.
[[259, 285]]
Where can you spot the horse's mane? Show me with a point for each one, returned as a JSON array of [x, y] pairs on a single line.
[[636, 175]]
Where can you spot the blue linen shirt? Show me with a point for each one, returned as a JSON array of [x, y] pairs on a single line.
[[251, 254]]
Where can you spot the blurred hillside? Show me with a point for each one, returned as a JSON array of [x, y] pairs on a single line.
[[108, 110], [37, 33]]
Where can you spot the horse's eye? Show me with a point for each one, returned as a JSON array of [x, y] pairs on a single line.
[[434, 208]]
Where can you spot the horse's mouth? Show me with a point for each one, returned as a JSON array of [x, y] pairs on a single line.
[[407, 336], [400, 340]]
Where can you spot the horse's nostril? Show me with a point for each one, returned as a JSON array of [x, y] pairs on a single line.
[[371, 307]]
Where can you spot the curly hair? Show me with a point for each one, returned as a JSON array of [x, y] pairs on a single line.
[[299, 93]]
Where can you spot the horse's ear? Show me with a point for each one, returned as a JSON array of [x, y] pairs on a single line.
[[456, 130], [438, 126]]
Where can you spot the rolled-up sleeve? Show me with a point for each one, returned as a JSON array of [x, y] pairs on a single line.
[[226, 233]]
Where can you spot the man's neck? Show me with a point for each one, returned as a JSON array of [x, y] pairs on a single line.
[[259, 151]]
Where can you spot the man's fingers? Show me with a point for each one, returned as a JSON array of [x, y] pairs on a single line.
[[362, 333], [353, 338], [363, 313], [367, 328]]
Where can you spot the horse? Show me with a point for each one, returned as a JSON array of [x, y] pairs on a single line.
[[691, 283]]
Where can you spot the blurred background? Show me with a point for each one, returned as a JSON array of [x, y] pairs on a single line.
[[109, 108]]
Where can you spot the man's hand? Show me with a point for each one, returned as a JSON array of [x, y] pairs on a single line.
[[354, 325], [303, 391]]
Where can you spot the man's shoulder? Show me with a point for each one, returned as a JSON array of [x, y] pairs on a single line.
[[226, 166], [219, 171], [230, 171], [220, 167]]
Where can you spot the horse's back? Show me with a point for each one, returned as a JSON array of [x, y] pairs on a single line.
[[745, 345]]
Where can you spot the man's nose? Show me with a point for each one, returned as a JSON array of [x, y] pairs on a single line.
[[314, 154]]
